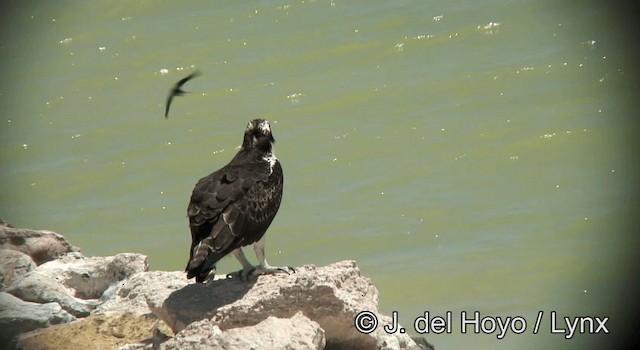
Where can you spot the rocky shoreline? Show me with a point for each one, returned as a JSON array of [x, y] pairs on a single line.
[[53, 297]]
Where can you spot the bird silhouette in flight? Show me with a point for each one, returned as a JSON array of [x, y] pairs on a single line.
[[177, 91]]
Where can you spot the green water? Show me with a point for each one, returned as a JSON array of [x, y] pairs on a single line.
[[470, 155]]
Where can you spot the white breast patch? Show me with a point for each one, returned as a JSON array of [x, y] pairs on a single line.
[[272, 161]]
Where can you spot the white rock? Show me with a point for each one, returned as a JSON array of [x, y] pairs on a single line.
[[313, 308], [40, 245], [41, 289], [137, 346], [14, 265], [89, 277], [330, 295], [18, 316], [297, 332], [136, 293], [76, 282]]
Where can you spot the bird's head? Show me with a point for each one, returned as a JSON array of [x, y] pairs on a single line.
[[258, 136]]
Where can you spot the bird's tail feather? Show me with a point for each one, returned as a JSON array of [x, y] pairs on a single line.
[[198, 257]]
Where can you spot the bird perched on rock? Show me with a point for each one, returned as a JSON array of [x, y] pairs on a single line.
[[176, 90], [233, 207]]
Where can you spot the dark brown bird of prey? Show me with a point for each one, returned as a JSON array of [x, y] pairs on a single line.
[[233, 207], [176, 90]]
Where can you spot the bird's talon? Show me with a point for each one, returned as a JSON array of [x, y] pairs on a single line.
[[288, 269]]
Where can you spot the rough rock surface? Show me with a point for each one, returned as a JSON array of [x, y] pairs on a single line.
[[120, 304], [96, 332], [18, 316], [297, 332], [14, 265], [40, 245], [49, 282], [135, 294], [330, 295], [75, 281]]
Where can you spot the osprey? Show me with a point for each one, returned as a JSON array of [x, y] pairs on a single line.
[[233, 207]]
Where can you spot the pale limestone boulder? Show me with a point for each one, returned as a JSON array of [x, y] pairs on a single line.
[[314, 308], [134, 294], [39, 288], [136, 346], [76, 282], [89, 277], [40, 245], [97, 332], [14, 265], [18, 316], [330, 295], [297, 332]]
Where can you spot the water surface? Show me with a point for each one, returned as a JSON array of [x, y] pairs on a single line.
[[471, 156]]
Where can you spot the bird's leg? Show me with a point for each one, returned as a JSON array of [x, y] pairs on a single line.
[[264, 267], [247, 268]]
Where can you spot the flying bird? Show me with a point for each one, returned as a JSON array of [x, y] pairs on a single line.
[[233, 207], [177, 91]]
